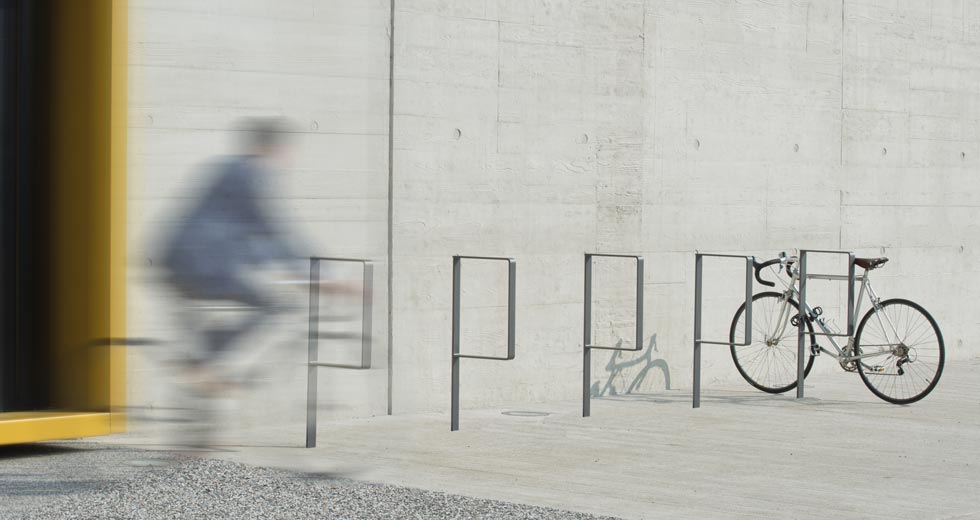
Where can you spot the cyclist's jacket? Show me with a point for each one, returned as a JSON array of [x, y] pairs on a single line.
[[226, 232]]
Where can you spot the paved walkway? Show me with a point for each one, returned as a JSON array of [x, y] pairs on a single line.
[[838, 453]]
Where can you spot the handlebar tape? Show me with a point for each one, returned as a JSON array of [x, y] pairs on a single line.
[[758, 271]]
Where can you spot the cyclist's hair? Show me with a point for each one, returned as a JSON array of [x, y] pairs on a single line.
[[263, 133]]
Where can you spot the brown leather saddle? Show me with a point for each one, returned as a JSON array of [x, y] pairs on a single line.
[[870, 263]]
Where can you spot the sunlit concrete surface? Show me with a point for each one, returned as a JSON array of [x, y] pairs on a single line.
[[542, 130], [840, 452]]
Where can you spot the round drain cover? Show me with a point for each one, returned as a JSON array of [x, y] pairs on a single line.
[[524, 413]]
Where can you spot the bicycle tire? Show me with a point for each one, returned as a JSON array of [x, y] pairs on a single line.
[[898, 382], [782, 354]]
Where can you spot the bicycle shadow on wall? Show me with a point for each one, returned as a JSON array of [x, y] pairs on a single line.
[[618, 369]]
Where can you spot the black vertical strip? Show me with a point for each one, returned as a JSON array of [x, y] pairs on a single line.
[[29, 326], [27, 352], [14, 193], [25, 212], [8, 134]]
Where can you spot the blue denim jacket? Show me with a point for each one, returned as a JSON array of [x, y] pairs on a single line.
[[227, 232]]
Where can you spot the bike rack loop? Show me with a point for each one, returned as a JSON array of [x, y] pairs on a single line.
[[587, 324], [314, 335], [511, 330], [851, 311], [698, 276]]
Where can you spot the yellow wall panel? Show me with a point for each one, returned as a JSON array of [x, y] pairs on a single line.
[[86, 138], [16, 428]]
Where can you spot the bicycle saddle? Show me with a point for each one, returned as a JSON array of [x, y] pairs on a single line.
[[870, 263]]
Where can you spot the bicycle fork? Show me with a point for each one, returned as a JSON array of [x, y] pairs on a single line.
[[784, 318]]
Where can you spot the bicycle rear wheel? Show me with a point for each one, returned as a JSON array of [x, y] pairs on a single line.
[[911, 350], [769, 365]]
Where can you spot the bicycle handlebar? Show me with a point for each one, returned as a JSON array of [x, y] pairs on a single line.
[[759, 267]]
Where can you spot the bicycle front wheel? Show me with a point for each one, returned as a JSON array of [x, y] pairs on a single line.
[[769, 362], [902, 351]]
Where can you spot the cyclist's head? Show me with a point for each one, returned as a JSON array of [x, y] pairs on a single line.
[[265, 136]]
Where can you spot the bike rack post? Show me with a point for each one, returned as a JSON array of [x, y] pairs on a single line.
[[698, 276], [851, 311], [587, 345], [315, 335], [511, 331]]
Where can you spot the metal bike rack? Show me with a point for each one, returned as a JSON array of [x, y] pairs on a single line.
[[698, 276], [851, 311], [511, 313], [315, 335], [587, 345]]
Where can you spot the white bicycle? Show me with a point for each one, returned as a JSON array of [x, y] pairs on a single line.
[[897, 348]]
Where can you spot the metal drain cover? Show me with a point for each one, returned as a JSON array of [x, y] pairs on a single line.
[[524, 413]]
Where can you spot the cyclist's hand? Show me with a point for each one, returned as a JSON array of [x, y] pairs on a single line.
[[342, 288]]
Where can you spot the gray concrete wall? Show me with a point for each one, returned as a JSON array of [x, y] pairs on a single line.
[[196, 68], [545, 129]]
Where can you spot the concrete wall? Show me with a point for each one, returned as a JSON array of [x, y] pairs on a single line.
[[541, 130], [196, 68], [545, 129]]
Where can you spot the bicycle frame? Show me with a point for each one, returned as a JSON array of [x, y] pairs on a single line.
[[842, 354]]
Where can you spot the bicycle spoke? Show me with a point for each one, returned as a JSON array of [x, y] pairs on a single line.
[[768, 364], [914, 346]]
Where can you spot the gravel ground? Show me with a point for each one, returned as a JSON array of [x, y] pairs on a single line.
[[101, 482]]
